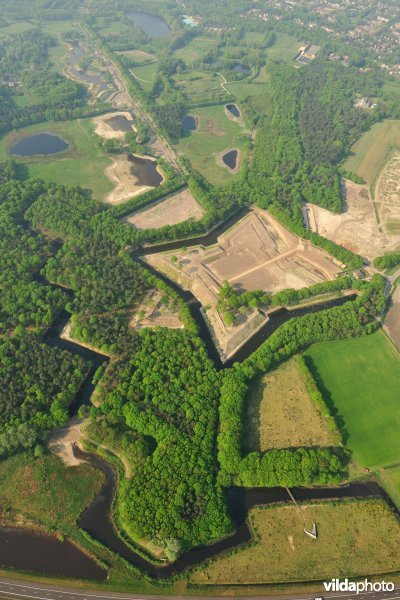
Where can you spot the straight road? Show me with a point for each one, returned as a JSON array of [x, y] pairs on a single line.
[[36, 591]]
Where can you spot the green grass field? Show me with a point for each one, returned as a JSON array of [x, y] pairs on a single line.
[[82, 166], [195, 49], [360, 378], [284, 49], [216, 133], [372, 151], [354, 538]]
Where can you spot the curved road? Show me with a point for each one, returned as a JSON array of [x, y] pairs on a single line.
[[10, 588]]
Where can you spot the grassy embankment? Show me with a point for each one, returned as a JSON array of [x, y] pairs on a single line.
[[83, 165], [354, 538]]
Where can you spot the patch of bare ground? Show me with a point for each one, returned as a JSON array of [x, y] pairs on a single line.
[[170, 210], [62, 441], [154, 313], [388, 197], [392, 321], [357, 228], [127, 184], [258, 253], [105, 125], [211, 126]]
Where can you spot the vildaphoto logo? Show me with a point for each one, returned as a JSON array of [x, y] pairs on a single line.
[[345, 585]]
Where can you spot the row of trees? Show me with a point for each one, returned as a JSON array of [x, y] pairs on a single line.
[[290, 466]]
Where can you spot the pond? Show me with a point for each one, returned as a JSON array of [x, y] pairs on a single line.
[[30, 551], [242, 69], [120, 123], [153, 25], [145, 171], [233, 109], [189, 123], [230, 159], [40, 144]]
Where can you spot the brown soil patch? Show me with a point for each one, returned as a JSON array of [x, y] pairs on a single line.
[[62, 441], [212, 127], [153, 313], [357, 228], [281, 414], [170, 210], [104, 128], [258, 253], [126, 184]]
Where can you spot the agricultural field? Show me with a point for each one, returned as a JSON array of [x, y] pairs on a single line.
[[281, 414], [83, 165], [215, 134], [372, 151], [257, 253], [355, 538], [365, 227], [172, 209], [360, 381]]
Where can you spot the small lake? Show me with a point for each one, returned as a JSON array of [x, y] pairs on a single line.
[[242, 69], [120, 123], [234, 110], [153, 25], [41, 144], [145, 171], [230, 159], [189, 123], [29, 551]]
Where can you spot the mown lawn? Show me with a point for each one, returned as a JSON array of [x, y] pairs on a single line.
[[215, 134], [372, 151], [83, 165], [360, 378], [354, 538], [284, 48]]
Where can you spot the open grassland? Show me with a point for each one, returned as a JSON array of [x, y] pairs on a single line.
[[146, 74], [372, 151], [280, 413], [284, 48], [200, 86], [390, 478], [354, 538], [360, 379], [47, 491], [195, 49], [215, 133], [83, 165]]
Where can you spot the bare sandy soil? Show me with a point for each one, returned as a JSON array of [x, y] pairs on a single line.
[[126, 184], [258, 253], [62, 441], [172, 209], [357, 228], [388, 197], [104, 128], [152, 313], [392, 321]]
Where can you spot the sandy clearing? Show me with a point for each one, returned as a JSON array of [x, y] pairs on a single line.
[[126, 183], [152, 313], [104, 128], [357, 228], [62, 441], [170, 210]]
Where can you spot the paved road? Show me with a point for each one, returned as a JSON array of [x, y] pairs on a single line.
[[36, 591]]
